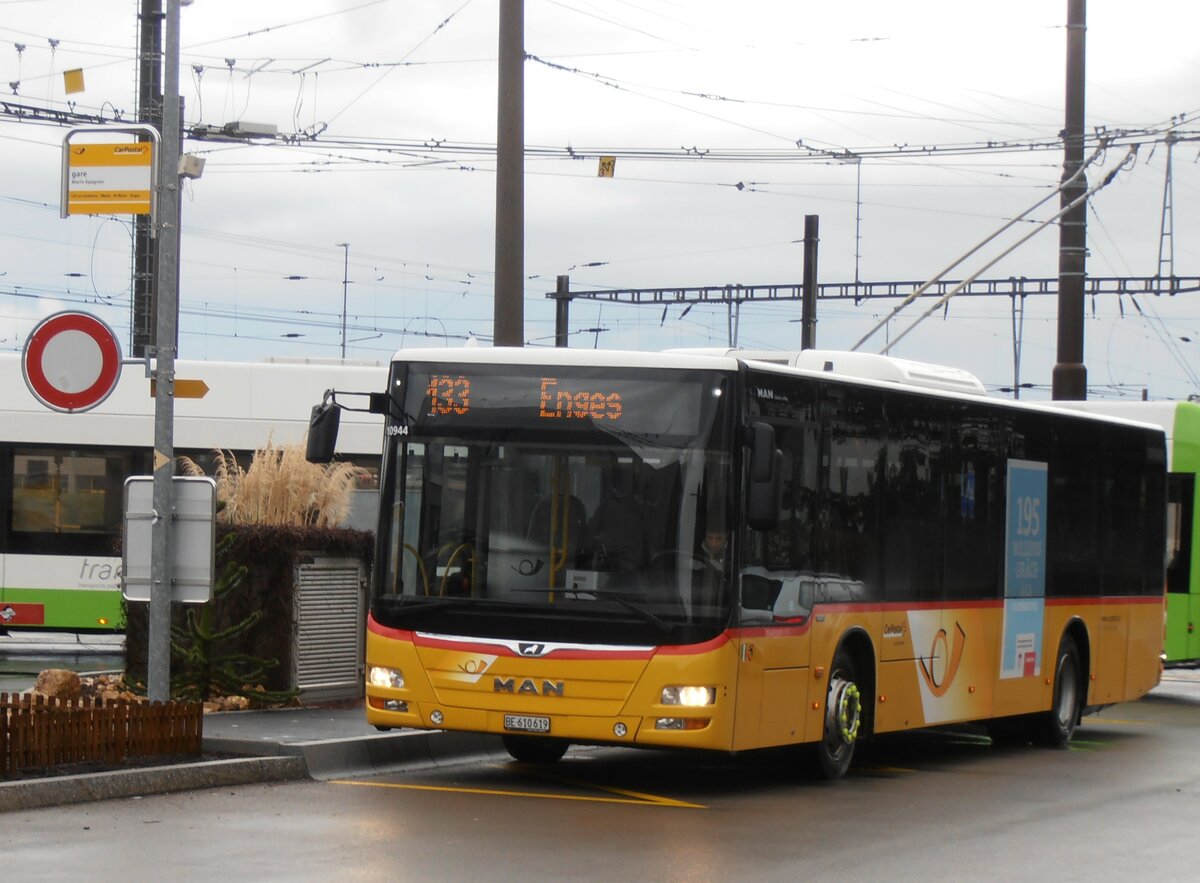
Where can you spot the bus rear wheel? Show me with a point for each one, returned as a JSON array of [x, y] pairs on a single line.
[[1056, 726], [535, 749], [843, 718]]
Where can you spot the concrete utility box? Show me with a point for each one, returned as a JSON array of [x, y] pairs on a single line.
[[330, 612]]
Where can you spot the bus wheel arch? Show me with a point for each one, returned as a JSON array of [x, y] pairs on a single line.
[[1077, 629], [849, 700], [1055, 727]]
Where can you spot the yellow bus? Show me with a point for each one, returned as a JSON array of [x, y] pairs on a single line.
[[736, 551]]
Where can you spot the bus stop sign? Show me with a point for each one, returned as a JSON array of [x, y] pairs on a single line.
[[71, 361]]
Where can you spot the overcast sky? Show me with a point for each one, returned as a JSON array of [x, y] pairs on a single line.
[[394, 103]]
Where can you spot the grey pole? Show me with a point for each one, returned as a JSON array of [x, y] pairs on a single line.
[[562, 310], [808, 303], [158, 666], [509, 305], [1070, 374], [345, 283]]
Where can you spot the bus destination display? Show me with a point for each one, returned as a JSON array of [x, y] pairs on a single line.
[[582, 400]]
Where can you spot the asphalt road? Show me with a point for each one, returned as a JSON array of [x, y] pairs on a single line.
[[1123, 804]]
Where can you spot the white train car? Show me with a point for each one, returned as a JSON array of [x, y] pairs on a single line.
[[62, 475]]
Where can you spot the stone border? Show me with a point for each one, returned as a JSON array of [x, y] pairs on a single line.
[[58, 790]]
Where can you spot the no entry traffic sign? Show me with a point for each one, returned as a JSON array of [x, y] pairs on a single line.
[[71, 361]]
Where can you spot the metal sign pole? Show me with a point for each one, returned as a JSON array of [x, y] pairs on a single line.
[[158, 665]]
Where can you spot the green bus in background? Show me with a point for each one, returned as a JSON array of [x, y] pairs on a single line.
[[1181, 421]]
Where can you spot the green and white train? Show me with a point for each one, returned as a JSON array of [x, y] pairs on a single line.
[[62, 475]]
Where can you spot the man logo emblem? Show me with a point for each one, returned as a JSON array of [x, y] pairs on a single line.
[[531, 649]]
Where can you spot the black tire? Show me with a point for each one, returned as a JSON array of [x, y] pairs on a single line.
[[830, 758], [535, 749], [1055, 727]]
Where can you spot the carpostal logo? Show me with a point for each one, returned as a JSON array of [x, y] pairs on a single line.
[[939, 677]]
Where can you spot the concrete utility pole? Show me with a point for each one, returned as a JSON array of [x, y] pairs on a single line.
[[1070, 374], [158, 665], [508, 325]]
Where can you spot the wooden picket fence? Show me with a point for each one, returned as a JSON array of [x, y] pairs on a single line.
[[38, 731]]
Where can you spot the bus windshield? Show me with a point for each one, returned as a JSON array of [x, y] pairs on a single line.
[[565, 505]]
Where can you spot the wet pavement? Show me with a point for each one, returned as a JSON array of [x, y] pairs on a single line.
[[316, 742]]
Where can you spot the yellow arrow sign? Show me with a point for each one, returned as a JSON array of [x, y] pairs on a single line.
[[184, 389]]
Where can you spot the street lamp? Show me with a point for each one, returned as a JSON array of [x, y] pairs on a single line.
[[345, 283]]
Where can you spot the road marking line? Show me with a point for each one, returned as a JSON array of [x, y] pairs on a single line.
[[639, 795], [871, 769], [646, 800]]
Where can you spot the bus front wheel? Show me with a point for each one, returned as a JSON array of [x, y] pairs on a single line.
[[535, 749], [843, 718], [1056, 726]]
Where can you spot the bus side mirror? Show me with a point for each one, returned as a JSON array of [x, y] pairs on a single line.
[[762, 443], [323, 432], [765, 492]]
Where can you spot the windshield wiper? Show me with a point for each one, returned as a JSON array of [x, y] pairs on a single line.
[[642, 611]]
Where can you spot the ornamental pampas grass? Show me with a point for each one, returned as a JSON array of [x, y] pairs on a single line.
[[281, 487]]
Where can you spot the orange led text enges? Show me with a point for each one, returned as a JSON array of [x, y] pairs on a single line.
[[448, 395], [561, 403]]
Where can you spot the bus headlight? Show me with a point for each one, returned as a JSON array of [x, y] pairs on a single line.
[[690, 697], [379, 676]]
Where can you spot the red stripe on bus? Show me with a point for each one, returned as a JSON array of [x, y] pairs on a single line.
[[902, 607], [1115, 599], [691, 649], [781, 628], [484, 645], [373, 625], [898, 606], [770, 631]]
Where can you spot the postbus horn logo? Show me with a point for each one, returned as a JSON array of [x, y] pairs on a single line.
[[937, 678]]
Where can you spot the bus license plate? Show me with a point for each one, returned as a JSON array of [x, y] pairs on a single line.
[[525, 723]]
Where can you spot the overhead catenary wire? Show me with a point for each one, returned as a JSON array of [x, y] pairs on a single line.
[[1108, 179], [938, 276]]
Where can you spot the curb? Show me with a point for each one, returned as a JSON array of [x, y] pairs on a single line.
[[55, 791], [331, 758], [261, 761]]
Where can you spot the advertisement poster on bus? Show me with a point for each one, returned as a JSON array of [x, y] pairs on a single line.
[[1024, 569]]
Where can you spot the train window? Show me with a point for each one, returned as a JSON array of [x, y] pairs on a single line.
[[61, 492]]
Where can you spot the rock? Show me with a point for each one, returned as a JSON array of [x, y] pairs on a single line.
[[59, 683]]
